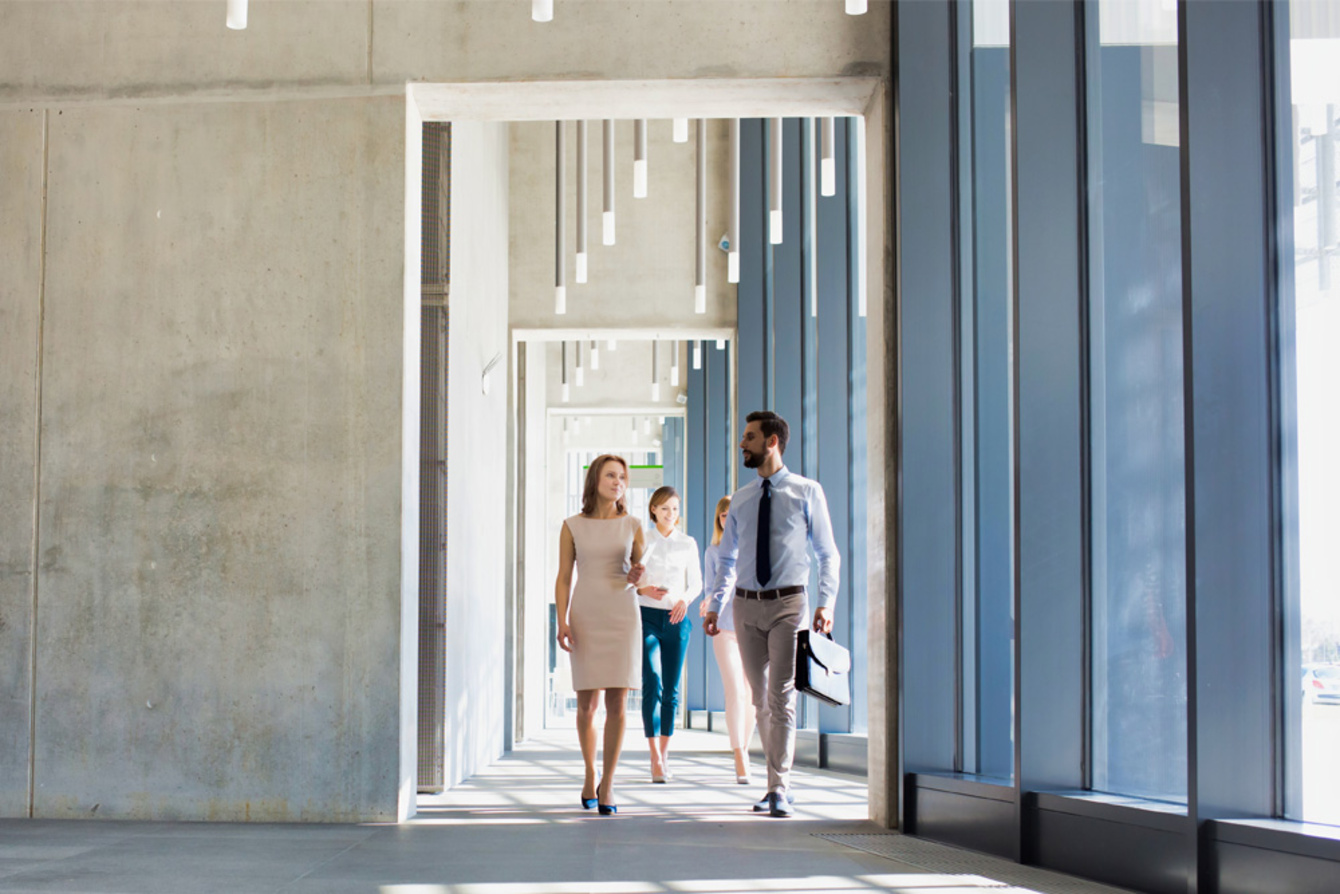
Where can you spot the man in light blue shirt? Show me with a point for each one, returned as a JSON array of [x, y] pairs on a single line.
[[773, 521]]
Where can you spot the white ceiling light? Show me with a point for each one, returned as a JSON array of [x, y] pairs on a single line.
[[674, 364], [560, 259], [634, 422], [700, 269], [595, 355], [697, 354], [237, 15], [611, 345], [640, 158], [581, 202], [563, 375], [856, 7], [681, 130], [646, 425], [565, 429], [543, 10], [827, 162], [655, 371], [607, 216], [581, 373], [733, 257], [721, 344], [775, 181]]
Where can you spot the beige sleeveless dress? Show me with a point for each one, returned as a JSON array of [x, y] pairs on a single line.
[[603, 613]]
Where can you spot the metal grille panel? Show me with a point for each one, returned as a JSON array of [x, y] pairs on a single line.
[[433, 457]]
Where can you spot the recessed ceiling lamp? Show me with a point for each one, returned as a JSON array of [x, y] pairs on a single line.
[[581, 373], [674, 364], [543, 10], [607, 216], [563, 375], [640, 158], [697, 354], [775, 181], [237, 15], [700, 244], [655, 371], [560, 259], [681, 130], [581, 203], [733, 237], [856, 7], [595, 355], [827, 162]]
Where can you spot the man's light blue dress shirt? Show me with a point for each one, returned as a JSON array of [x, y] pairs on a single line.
[[799, 521]]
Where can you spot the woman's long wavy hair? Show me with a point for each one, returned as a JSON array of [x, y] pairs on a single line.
[[722, 505], [593, 473]]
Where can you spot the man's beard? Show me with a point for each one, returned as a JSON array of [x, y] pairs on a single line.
[[751, 460]]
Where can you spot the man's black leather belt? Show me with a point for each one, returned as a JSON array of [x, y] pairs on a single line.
[[768, 594]]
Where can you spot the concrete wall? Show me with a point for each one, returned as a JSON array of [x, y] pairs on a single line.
[[476, 467]]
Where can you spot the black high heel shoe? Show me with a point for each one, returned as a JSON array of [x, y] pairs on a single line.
[[605, 809], [588, 803]]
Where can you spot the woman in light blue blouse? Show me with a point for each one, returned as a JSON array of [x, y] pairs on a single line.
[[739, 697]]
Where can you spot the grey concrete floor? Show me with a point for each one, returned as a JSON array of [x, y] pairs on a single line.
[[516, 828]]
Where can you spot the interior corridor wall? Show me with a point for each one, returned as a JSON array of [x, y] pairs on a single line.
[[476, 467]]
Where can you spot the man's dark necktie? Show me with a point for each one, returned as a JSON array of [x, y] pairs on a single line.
[[763, 553]]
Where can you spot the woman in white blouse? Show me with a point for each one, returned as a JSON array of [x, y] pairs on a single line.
[[672, 580], [739, 697]]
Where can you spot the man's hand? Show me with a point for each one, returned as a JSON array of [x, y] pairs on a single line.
[[823, 620], [710, 624], [635, 573]]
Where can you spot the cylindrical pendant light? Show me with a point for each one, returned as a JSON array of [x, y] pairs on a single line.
[[812, 221], [607, 216], [827, 160], [634, 422], [595, 355], [560, 258], [721, 344], [611, 345], [674, 364], [543, 10], [700, 243], [563, 375], [565, 429], [646, 425], [856, 7], [681, 130], [581, 202], [655, 371], [640, 158], [775, 181], [237, 15], [697, 354], [733, 256], [580, 372]]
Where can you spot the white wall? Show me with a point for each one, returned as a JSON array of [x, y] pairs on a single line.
[[476, 462]]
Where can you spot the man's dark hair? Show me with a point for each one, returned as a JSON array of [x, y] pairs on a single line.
[[771, 424]]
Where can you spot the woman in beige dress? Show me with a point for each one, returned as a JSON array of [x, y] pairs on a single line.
[[598, 619]]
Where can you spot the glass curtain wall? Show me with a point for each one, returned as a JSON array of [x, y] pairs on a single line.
[[1311, 371], [987, 437], [1138, 655]]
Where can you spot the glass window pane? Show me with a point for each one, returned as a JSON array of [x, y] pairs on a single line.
[[1138, 609], [1314, 51], [988, 436]]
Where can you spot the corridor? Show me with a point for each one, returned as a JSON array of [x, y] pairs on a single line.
[[516, 828]]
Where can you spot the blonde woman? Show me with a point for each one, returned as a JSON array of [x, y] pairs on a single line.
[[739, 697], [673, 579], [598, 621]]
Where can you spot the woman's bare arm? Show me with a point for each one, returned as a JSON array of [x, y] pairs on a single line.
[[567, 556]]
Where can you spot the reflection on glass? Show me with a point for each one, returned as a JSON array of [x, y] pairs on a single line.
[[1314, 51], [987, 671], [1138, 648]]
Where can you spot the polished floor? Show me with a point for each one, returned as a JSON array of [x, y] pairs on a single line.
[[517, 828]]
